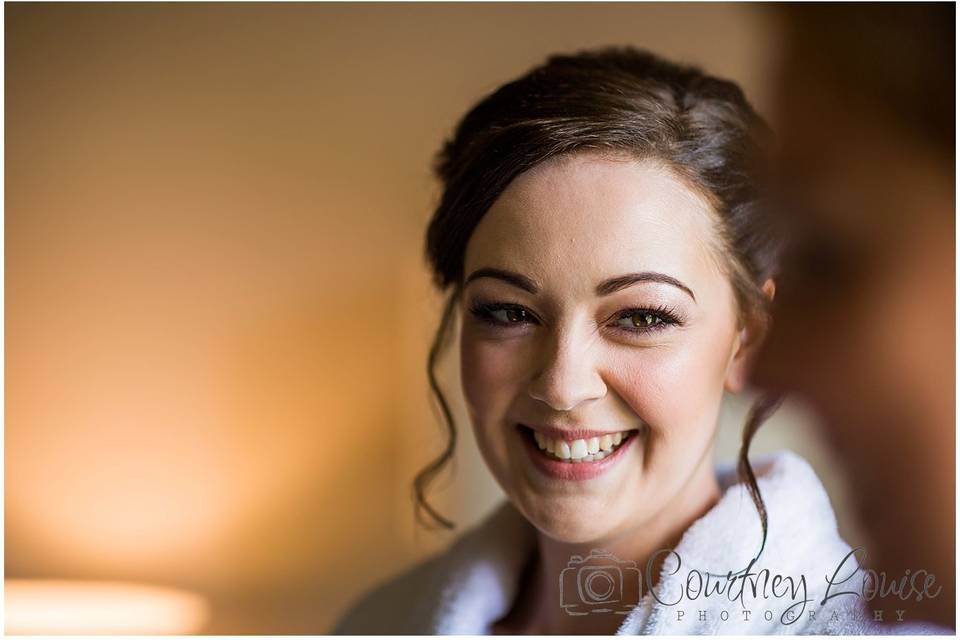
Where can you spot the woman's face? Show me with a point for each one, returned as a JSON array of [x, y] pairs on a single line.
[[595, 307]]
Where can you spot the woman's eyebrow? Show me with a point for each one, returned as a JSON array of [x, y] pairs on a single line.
[[611, 285], [605, 288], [510, 277]]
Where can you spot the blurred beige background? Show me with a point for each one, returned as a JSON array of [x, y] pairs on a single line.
[[217, 310]]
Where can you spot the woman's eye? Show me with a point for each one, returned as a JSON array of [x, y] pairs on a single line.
[[642, 320], [639, 320], [510, 316], [502, 314], [630, 320]]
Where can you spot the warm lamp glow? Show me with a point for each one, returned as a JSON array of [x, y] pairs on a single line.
[[76, 607]]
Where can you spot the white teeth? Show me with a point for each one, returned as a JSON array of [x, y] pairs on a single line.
[[606, 443], [581, 450], [578, 449], [593, 445]]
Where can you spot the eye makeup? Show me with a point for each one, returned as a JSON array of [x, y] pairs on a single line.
[[642, 320]]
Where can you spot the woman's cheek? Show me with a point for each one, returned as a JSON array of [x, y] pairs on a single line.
[[674, 390], [491, 381], [652, 383], [489, 375]]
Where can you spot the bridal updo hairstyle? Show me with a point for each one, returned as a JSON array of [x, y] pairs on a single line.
[[622, 100]]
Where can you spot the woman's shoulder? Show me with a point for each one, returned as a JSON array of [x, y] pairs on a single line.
[[454, 591], [799, 516], [728, 548], [395, 605]]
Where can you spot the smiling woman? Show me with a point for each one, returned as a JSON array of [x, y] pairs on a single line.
[[573, 366], [603, 244]]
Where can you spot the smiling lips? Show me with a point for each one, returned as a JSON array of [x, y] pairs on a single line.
[[574, 446], [568, 454], [580, 450]]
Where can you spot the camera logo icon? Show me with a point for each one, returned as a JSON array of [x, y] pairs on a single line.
[[599, 583]]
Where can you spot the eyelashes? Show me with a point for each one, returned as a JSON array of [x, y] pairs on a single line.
[[639, 320]]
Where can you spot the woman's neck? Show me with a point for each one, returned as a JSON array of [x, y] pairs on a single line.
[[538, 607]]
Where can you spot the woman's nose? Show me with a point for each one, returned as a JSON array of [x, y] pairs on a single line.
[[567, 376]]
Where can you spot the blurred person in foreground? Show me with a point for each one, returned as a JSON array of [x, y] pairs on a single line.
[[864, 314]]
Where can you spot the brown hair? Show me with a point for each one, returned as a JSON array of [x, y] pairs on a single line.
[[616, 99]]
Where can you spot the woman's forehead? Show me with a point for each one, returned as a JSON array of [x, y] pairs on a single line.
[[597, 215]]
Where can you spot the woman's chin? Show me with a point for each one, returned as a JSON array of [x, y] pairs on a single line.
[[572, 521]]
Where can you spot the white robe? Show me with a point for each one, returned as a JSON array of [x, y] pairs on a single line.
[[465, 589]]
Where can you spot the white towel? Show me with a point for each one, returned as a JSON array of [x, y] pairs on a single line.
[[465, 589]]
